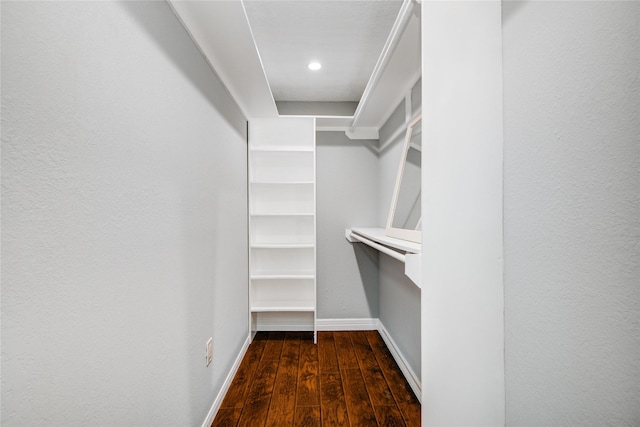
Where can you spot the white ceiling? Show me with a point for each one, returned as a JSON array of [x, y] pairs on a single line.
[[260, 50], [346, 36]]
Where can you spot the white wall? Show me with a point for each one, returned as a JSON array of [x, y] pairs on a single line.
[[124, 231], [572, 212], [347, 196], [462, 292]]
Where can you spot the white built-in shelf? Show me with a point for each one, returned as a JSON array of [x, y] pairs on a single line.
[[302, 214], [287, 275], [290, 244], [282, 305], [403, 250], [378, 235], [286, 183], [283, 245], [281, 148]]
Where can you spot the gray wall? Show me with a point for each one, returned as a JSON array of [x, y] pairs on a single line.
[[347, 196], [124, 209], [572, 212], [399, 296], [389, 161], [400, 310], [354, 188]]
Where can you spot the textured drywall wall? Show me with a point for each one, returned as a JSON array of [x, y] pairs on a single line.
[[462, 286], [399, 296], [347, 196], [400, 310], [392, 149], [390, 160], [124, 232], [572, 212]]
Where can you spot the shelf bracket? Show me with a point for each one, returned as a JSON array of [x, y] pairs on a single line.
[[413, 268]]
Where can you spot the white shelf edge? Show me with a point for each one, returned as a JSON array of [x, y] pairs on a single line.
[[282, 306], [282, 214], [378, 235], [404, 251], [280, 149], [282, 276], [281, 183], [254, 181], [283, 246]]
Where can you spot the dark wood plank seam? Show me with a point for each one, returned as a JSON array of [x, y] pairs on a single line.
[[362, 370], [384, 374]]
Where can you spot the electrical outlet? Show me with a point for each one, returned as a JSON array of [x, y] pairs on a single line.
[[209, 351]]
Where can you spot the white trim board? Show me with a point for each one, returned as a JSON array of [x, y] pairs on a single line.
[[347, 324], [227, 383]]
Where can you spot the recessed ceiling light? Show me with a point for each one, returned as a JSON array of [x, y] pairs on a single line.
[[314, 66]]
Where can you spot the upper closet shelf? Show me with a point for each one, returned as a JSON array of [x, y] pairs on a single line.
[[378, 235], [402, 250]]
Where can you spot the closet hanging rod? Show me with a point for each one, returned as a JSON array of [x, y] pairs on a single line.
[[381, 248]]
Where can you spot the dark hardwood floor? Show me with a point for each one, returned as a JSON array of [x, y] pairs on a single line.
[[348, 379]]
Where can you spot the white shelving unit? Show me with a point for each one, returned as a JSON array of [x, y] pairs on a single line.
[[282, 224]]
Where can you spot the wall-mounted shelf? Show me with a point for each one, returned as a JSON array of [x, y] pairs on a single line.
[[282, 275], [285, 183], [403, 250], [281, 148], [283, 214], [281, 305], [282, 245]]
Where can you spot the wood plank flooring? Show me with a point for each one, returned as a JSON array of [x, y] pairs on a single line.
[[348, 379]]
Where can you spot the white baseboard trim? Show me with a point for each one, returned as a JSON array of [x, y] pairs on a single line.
[[227, 383], [347, 324], [411, 377]]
